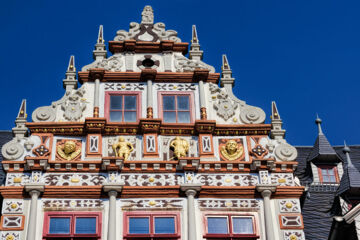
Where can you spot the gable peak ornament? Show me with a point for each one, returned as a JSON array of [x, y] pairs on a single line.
[[147, 15]]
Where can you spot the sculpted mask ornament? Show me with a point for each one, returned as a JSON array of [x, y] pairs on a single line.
[[68, 150], [224, 107], [180, 147], [122, 148], [74, 106], [232, 150]]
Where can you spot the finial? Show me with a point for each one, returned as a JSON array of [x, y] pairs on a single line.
[[346, 149], [194, 35], [101, 35], [71, 67], [318, 122], [22, 110], [195, 53], [100, 49], [70, 81], [226, 73], [276, 132], [147, 15], [274, 111], [20, 130]]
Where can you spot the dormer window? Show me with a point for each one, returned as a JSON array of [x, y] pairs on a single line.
[[328, 174], [122, 107]]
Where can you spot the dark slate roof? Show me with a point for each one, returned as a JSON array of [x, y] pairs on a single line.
[[303, 170], [322, 150], [351, 177], [5, 136], [317, 214]]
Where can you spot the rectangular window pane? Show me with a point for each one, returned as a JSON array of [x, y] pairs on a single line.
[[116, 102], [138, 225], [326, 179], [164, 225], [217, 225], [184, 117], [85, 225], [169, 102], [242, 225], [183, 103], [59, 225], [170, 117], [130, 116], [130, 102], [115, 116], [332, 179]]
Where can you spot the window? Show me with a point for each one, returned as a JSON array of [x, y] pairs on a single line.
[[229, 226], [72, 225], [328, 174], [122, 107], [160, 225], [176, 108]]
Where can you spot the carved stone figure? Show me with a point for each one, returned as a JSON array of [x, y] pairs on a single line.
[[147, 15], [232, 150], [180, 147], [69, 150], [224, 107], [73, 107], [122, 148]]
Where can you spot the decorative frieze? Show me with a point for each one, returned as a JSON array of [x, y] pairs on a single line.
[[175, 86], [17, 179], [151, 203], [289, 206], [124, 86], [151, 179], [226, 179], [15, 206], [282, 179], [229, 203], [12, 222], [74, 179], [10, 235], [294, 235], [291, 221], [72, 203]]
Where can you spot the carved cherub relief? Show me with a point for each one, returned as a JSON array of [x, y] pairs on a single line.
[[68, 149], [231, 149]]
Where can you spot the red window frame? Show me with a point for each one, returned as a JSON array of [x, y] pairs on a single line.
[[191, 104], [230, 235], [128, 93], [327, 168], [72, 215], [152, 235]]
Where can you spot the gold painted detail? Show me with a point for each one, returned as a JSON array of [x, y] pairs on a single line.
[[14, 205], [180, 147], [123, 148], [17, 180], [293, 237], [75, 180], [228, 204], [10, 237], [281, 180], [151, 179], [232, 150], [152, 203], [289, 205], [228, 180], [68, 151]]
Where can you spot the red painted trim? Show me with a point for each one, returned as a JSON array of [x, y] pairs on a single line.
[[12, 228], [152, 215], [172, 93], [72, 216], [151, 154], [99, 152], [202, 153], [291, 215], [336, 173], [120, 93]]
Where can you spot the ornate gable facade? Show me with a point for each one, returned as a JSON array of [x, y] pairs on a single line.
[[153, 145]]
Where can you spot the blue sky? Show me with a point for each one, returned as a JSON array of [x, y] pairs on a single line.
[[305, 55]]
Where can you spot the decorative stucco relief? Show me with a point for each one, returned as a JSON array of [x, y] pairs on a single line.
[[73, 179], [151, 179], [285, 152], [13, 206], [17, 179], [175, 86], [183, 64], [252, 115], [225, 179], [112, 64], [282, 179], [289, 206], [10, 235], [224, 107], [229, 203], [72, 105], [124, 86], [12, 150], [72, 203], [294, 235], [151, 203]]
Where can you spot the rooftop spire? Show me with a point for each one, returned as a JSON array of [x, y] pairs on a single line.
[[318, 122], [226, 72], [346, 150], [100, 49], [147, 15], [20, 129], [276, 123], [195, 53], [70, 81]]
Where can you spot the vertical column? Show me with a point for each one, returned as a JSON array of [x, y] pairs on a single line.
[[96, 97], [203, 114], [149, 100], [112, 189], [190, 191], [266, 190], [34, 190]]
